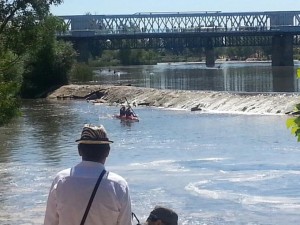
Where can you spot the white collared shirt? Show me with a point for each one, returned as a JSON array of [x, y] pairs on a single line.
[[72, 189]]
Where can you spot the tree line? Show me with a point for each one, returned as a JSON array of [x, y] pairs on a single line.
[[100, 57], [32, 61]]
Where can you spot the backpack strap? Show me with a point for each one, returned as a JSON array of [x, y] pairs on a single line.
[[92, 198]]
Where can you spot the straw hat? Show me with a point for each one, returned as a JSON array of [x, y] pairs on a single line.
[[93, 135]]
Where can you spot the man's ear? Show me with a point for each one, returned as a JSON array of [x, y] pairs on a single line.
[[79, 152], [159, 222], [107, 152]]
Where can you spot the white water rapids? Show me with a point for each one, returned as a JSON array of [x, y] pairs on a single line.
[[206, 101]]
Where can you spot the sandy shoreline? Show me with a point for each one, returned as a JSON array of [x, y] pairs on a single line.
[[212, 101]]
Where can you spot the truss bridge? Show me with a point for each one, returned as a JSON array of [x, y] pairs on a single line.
[[208, 30]]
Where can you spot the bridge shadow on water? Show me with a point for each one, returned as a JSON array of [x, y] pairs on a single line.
[[284, 79]]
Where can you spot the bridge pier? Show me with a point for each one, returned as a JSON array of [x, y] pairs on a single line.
[[209, 53], [82, 47], [282, 50]]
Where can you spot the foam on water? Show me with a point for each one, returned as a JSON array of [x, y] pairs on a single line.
[[230, 103]]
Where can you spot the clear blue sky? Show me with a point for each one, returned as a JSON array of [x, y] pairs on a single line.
[[107, 7]]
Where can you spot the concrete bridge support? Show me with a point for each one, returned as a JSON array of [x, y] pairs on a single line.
[[82, 47], [209, 53], [282, 50]]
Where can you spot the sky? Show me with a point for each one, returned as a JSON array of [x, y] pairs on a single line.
[[112, 7]]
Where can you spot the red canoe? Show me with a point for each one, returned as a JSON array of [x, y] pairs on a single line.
[[127, 118]]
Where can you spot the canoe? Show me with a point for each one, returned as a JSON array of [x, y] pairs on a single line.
[[127, 118]]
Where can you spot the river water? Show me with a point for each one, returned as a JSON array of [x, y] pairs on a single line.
[[225, 76], [210, 168]]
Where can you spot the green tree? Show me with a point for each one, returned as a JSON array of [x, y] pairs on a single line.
[[293, 123], [125, 56], [48, 64], [10, 79], [19, 21]]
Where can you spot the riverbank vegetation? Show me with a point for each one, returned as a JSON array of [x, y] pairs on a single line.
[[150, 57], [32, 61], [108, 58]]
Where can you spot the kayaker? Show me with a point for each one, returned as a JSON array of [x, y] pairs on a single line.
[[129, 112], [73, 189], [162, 216], [123, 110]]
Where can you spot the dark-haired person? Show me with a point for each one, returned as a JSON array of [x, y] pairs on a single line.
[[122, 111], [129, 113], [162, 216], [72, 188]]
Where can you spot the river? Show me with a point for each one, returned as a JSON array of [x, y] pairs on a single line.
[[225, 76], [212, 168]]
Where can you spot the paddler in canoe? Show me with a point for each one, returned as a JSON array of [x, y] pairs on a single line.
[[130, 114], [127, 114], [122, 111]]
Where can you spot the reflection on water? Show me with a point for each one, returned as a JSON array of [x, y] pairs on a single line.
[[30, 149], [48, 128], [284, 79], [227, 76]]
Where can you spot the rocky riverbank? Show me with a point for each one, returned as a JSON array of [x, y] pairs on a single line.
[[208, 101]]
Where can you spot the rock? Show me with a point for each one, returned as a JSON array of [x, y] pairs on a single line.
[[144, 103], [196, 108], [94, 95]]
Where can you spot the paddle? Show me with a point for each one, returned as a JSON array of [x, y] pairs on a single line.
[[130, 107]]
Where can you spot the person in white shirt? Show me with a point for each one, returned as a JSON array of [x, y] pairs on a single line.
[[72, 188]]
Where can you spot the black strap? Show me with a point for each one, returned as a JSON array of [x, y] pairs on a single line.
[[92, 198], [134, 216]]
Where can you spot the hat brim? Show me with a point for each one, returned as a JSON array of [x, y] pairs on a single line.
[[91, 142]]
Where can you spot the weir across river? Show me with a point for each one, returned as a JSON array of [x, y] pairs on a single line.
[[208, 30]]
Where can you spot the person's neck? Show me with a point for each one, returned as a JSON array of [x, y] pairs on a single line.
[[92, 160]]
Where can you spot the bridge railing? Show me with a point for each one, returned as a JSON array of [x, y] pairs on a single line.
[[207, 30], [190, 22]]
